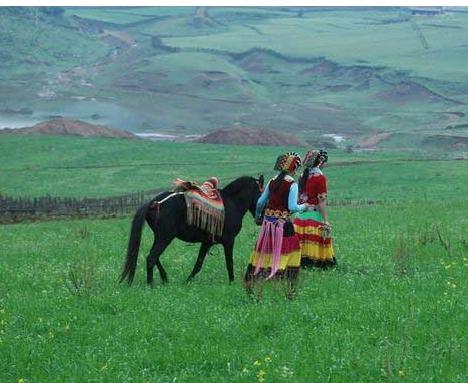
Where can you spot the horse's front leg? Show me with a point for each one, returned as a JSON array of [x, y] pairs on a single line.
[[205, 246], [228, 254]]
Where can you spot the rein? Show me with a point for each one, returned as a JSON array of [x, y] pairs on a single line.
[[157, 203]]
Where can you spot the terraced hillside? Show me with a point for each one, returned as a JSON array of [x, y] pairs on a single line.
[[379, 77]]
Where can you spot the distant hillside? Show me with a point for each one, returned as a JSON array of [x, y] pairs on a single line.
[[250, 136], [312, 72], [65, 127]]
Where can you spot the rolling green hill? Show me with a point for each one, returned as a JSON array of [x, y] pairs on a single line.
[[312, 71]]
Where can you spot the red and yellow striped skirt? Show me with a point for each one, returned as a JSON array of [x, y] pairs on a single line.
[[316, 243]]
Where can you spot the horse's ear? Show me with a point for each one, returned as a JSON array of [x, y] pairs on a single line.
[[261, 181]]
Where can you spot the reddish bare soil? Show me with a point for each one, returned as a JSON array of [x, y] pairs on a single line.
[[250, 136], [66, 127]]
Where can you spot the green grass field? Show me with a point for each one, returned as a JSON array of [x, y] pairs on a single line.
[[392, 311], [68, 166]]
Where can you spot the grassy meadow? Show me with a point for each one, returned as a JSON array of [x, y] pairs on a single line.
[[98, 167], [392, 311]]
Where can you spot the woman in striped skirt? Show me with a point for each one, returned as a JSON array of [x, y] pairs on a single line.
[[312, 226], [277, 251]]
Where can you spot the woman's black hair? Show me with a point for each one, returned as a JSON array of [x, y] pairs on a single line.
[[322, 156], [275, 184], [302, 180]]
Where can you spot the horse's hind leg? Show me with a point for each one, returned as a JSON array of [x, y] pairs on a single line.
[[228, 250], [201, 257], [153, 259]]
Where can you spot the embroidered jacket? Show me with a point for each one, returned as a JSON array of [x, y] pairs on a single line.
[[315, 188], [281, 201]]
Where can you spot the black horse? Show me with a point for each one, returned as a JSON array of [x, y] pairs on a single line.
[[168, 221]]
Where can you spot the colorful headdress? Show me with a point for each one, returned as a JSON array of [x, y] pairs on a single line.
[[288, 162], [315, 158]]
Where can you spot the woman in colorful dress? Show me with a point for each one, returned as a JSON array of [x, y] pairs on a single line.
[[277, 250], [312, 226]]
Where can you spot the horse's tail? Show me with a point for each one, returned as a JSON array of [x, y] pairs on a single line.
[[134, 244]]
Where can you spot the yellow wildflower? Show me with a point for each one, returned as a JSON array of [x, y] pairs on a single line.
[[268, 359], [257, 363], [401, 373], [261, 376]]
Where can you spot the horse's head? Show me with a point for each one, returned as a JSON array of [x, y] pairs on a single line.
[[257, 191], [245, 191]]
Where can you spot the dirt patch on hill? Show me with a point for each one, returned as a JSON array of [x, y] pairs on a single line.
[[257, 62], [457, 126], [409, 91], [250, 136], [117, 37], [445, 141], [207, 78], [201, 18], [66, 127], [322, 68], [372, 141]]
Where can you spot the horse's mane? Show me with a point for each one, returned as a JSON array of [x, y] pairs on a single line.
[[237, 185]]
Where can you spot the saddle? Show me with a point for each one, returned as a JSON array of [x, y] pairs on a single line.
[[205, 207]]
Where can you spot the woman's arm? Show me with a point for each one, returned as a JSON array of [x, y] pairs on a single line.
[[322, 205], [322, 197], [293, 206], [262, 200]]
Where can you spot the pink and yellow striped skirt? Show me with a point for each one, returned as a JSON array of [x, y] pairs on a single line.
[[277, 252]]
